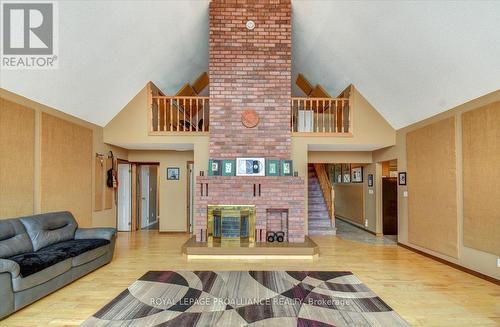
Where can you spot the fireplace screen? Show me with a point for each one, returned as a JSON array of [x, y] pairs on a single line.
[[231, 223]]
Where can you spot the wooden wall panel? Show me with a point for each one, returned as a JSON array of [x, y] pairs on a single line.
[[66, 168], [481, 158], [432, 187], [17, 147], [109, 191], [98, 183], [349, 202]]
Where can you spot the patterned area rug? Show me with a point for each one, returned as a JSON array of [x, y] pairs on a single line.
[[247, 298]]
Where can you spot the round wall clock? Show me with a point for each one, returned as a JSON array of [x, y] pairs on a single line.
[[250, 25], [249, 118]]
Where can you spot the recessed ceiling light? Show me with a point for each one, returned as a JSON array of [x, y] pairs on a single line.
[[250, 25]]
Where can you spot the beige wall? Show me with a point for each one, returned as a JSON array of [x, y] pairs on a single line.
[[101, 218], [361, 157], [173, 193], [470, 258], [129, 128], [349, 202]]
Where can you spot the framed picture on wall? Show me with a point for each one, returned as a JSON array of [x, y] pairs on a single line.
[[272, 167], [250, 167], [357, 175], [228, 167], [402, 178], [173, 174], [370, 180], [286, 168], [337, 173], [214, 167]]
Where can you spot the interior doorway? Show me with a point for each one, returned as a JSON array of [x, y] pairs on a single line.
[[390, 199], [124, 212], [147, 197]]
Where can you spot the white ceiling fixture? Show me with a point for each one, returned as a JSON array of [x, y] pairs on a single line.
[[411, 60]]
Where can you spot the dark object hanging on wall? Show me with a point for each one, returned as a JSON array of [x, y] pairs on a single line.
[[111, 174], [271, 237]]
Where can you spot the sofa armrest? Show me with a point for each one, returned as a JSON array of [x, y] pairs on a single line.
[[9, 266], [100, 233]]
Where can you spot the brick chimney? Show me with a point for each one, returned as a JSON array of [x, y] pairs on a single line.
[[250, 70]]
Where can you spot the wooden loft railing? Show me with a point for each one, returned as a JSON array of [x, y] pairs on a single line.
[[321, 116], [178, 114], [327, 190]]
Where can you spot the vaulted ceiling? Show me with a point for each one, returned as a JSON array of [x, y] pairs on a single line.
[[411, 60]]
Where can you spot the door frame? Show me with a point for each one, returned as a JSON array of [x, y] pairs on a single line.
[[138, 195], [118, 163], [188, 197]]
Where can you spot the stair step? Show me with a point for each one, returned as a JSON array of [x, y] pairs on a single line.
[[319, 220]]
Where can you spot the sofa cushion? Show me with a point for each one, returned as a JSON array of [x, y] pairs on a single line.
[[33, 262], [90, 255], [74, 248], [13, 238], [49, 228]]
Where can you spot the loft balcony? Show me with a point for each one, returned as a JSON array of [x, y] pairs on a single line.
[[321, 116], [188, 115], [182, 115]]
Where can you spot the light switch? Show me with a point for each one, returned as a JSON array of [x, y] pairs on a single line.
[[405, 194], [370, 191]]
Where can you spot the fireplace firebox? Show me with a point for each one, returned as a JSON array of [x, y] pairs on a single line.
[[230, 223]]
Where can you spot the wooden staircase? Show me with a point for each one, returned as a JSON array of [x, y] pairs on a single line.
[[320, 222]]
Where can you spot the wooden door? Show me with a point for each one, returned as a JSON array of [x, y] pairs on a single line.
[[390, 205]]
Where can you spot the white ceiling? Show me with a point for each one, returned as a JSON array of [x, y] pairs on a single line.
[[411, 60]]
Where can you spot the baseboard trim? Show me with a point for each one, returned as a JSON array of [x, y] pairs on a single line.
[[345, 220], [453, 265]]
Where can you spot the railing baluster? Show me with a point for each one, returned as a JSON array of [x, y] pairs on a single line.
[[311, 105], [171, 114], [323, 116], [197, 108], [158, 117], [165, 114], [151, 127], [335, 117], [343, 124], [190, 115], [324, 113], [350, 116], [203, 114]]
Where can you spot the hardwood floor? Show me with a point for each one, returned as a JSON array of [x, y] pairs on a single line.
[[421, 290]]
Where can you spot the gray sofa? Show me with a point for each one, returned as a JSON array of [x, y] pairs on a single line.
[[42, 253]]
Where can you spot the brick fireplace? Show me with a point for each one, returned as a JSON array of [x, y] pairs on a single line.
[[250, 72]]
